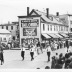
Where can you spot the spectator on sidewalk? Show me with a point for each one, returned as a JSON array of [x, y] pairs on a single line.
[[53, 62], [48, 52], [47, 67]]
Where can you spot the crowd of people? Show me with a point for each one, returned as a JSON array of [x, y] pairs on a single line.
[[59, 61]]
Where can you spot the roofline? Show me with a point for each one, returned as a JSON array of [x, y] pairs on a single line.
[[29, 16], [54, 23], [6, 24]]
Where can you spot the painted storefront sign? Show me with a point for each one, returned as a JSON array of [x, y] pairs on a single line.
[[29, 31]]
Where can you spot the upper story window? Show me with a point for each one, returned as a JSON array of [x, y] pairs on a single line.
[[67, 28], [7, 27], [11, 27], [59, 28], [71, 29], [51, 27], [70, 22], [64, 28], [48, 27], [2, 27], [43, 26], [54, 28]]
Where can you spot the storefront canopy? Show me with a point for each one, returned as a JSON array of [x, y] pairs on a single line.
[[64, 35], [53, 35], [46, 36], [58, 35]]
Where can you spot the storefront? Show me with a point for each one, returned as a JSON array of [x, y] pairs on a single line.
[[29, 30]]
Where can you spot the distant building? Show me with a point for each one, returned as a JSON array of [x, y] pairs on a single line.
[[67, 20], [12, 27], [37, 24]]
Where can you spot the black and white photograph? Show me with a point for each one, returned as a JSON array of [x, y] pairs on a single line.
[[36, 34]]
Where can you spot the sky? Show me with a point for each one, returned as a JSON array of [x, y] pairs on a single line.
[[10, 9]]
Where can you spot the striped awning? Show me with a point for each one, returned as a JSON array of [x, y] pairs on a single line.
[[45, 35], [53, 35], [59, 35], [63, 34]]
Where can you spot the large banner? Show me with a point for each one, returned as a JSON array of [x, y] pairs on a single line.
[[29, 31]]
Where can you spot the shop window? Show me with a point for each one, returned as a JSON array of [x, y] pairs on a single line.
[[43, 26], [2, 27], [11, 27], [7, 27]]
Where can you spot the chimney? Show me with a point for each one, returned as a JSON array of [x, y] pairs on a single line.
[[27, 11], [47, 11], [57, 13]]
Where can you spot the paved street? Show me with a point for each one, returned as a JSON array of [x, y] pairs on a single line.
[[13, 59]]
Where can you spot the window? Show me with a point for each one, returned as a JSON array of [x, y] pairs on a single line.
[[7, 27], [48, 27], [11, 27], [43, 27], [67, 28], [64, 28], [4, 39], [21, 25], [13, 37], [70, 22], [54, 28], [59, 28], [71, 29], [2, 27], [51, 27]]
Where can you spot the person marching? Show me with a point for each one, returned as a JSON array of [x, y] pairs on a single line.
[[32, 52], [48, 52], [23, 52]]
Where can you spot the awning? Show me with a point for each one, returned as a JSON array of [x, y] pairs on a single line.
[[64, 35], [58, 35], [53, 35], [46, 36]]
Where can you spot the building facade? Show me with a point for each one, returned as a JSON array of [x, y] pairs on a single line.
[[67, 20], [12, 28], [37, 24]]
